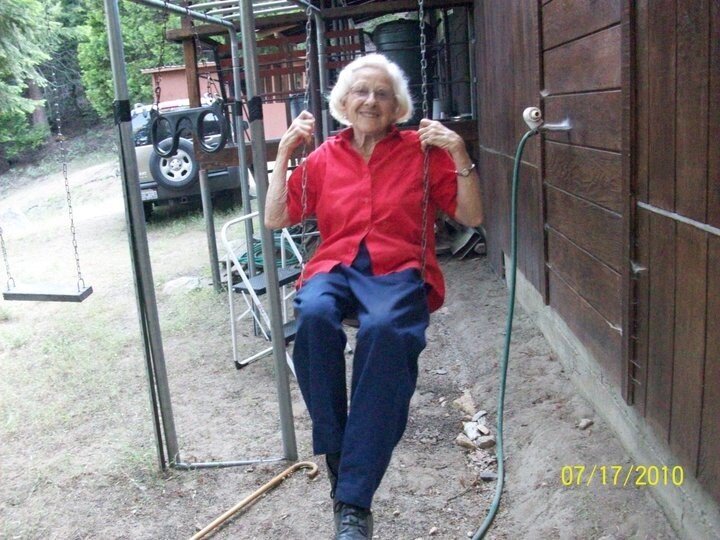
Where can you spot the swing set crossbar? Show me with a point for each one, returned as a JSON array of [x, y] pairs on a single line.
[[47, 294]]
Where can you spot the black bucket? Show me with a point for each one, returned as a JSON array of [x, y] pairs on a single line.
[[399, 41]]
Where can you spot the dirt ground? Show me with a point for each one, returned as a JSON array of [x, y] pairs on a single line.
[[77, 457]]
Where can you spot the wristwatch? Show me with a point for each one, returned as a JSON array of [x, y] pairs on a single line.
[[466, 171]]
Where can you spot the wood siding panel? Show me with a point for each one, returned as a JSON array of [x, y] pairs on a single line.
[[596, 283], [639, 371], [588, 325], [508, 81], [594, 175], [596, 119], [531, 236], [565, 20], [642, 90], [590, 63], [692, 108], [661, 323], [661, 129], [496, 201], [709, 464], [689, 350], [591, 227], [714, 118], [496, 76]]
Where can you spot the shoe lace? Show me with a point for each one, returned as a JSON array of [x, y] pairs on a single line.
[[354, 517]]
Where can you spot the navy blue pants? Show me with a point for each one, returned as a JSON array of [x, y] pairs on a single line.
[[393, 315]]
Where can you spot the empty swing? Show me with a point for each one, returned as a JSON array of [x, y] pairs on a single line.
[[49, 293]]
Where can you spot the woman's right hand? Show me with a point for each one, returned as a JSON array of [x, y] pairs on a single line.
[[301, 130]]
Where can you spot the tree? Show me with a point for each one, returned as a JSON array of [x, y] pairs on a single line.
[[144, 47], [27, 29]]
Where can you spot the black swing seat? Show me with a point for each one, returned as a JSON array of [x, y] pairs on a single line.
[[47, 293], [259, 282]]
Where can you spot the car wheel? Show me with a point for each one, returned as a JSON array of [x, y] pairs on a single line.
[[177, 171]]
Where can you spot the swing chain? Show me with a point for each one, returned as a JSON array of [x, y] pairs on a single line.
[[426, 156], [303, 196], [68, 197], [161, 57], [308, 43], [423, 58], [10, 281]]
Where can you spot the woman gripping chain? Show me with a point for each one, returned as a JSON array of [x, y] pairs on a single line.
[[365, 187]]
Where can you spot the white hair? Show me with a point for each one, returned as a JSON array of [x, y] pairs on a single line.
[[346, 79]]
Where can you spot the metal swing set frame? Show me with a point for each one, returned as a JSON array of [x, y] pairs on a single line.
[[221, 14]]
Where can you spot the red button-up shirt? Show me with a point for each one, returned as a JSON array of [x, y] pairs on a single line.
[[379, 202]]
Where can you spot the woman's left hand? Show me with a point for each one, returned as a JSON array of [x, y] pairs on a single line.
[[433, 133]]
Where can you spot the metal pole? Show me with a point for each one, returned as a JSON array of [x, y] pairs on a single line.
[[210, 228], [240, 143], [137, 236], [247, 24], [283, 386], [322, 71]]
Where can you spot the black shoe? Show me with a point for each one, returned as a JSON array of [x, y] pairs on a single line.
[[355, 523]]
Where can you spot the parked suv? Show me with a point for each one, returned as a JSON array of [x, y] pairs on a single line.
[[174, 179]]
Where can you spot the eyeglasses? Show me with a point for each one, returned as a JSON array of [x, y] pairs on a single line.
[[363, 92]]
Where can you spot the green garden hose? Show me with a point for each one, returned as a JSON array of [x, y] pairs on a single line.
[[290, 258], [508, 332]]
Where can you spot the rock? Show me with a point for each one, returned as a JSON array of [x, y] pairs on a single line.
[[485, 442], [465, 403], [183, 284], [433, 531], [585, 423], [396, 513], [471, 430], [488, 476], [440, 371], [478, 415], [483, 429], [462, 440]]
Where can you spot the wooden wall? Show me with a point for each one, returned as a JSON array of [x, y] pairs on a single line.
[[581, 50], [508, 71], [676, 365], [620, 217]]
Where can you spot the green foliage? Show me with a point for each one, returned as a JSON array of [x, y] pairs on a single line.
[[16, 134], [143, 42], [27, 30]]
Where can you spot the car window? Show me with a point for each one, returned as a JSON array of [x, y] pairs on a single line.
[[141, 128]]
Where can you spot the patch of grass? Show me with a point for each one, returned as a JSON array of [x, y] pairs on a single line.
[[59, 375], [195, 309], [4, 315], [14, 337]]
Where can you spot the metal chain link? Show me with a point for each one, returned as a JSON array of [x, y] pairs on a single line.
[[10, 279], [426, 157], [161, 57], [423, 58], [68, 197], [303, 193]]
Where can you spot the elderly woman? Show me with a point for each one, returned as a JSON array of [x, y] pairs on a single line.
[[365, 186]]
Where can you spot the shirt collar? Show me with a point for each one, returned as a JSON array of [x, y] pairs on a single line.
[[347, 133]]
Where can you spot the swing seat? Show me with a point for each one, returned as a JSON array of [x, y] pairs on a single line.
[[47, 293]]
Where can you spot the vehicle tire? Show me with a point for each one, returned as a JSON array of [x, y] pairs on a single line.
[[147, 210], [178, 171]]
